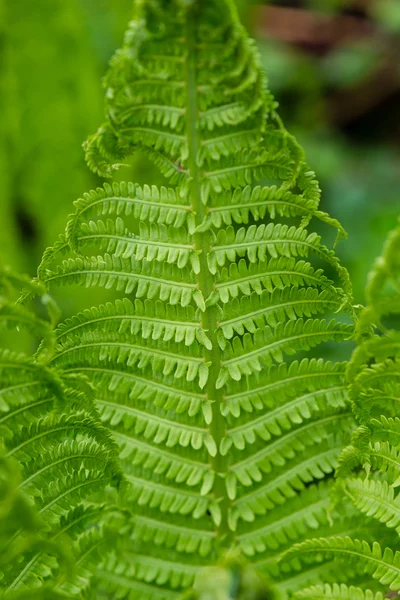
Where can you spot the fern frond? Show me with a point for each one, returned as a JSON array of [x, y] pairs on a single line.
[[65, 456], [383, 565], [93, 530], [373, 374], [36, 566], [155, 119], [34, 437], [70, 455], [386, 272], [218, 411], [376, 499]]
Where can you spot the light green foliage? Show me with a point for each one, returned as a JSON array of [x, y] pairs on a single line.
[[49, 104], [21, 531], [8, 239], [387, 13], [50, 428], [383, 565], [337, 592], [202, 368], [368, 473]]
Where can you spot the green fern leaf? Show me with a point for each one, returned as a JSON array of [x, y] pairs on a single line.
[[383, 565], [65, 457], [200, 366], [374, 378], [376, 499]]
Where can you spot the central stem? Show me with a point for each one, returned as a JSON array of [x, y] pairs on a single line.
[[205, 281]]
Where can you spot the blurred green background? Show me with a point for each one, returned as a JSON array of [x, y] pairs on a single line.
[[333, 65]]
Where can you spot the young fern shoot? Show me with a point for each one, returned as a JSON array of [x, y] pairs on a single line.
[[226, 424]]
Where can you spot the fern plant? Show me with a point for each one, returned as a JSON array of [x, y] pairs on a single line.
[[369, 468], [54, 456], [21, 530], [203, 362]]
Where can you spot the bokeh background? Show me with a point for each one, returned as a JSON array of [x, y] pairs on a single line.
[[333, 65]]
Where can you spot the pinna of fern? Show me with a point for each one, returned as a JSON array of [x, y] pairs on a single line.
[[368, 475], [202, 361], [55, 454]]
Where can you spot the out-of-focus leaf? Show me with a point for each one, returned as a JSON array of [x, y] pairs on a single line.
[[387, 13], [349, 65]]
